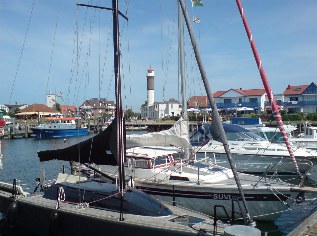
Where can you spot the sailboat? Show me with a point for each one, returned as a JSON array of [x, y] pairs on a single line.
[[74, 205]]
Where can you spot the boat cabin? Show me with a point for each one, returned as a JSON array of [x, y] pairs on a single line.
[[310, 132], [153, 157]]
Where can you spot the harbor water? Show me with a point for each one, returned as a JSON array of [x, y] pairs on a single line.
[[19, 160]]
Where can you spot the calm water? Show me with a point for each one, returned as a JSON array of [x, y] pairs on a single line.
[[20, 161]]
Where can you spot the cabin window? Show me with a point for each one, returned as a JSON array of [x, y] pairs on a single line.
[[141, 164], [161, 160]]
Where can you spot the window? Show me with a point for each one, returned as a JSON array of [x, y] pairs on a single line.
[[293, 99], [227, 100], [161, 160], [253, 99]]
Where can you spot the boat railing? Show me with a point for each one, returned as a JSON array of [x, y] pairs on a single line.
[[231, 219]]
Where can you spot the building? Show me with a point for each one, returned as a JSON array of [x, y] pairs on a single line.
[[160, 110], [12, 108], [52, 99], [241, 98], [68, 111], [97, 108], [232, 99], [4, 108], [198, 102], [37, 111], [300, 98]]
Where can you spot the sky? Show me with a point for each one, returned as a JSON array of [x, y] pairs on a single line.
[[54, 46]]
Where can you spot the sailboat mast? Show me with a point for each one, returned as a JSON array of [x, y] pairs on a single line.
[[181, 61], [265, 82], [215, 115], [119, 115], [181, 75]]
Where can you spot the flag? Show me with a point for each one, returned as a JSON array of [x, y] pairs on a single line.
[[196, 19], [196, 3]]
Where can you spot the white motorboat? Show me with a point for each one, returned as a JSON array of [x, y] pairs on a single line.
[[252, 153]]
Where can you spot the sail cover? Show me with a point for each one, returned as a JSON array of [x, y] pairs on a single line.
[[175, 136], [100, 149]]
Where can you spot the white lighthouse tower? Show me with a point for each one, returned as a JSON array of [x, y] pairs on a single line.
[[150, 87]]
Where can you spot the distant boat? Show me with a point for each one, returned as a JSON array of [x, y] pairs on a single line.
[[59, 128], [308, 138]]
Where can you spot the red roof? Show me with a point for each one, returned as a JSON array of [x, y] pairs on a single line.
[[245, 92], [38, 108], [198, 101], [293, 90], [68, 108], [254, 92], [218, 94]]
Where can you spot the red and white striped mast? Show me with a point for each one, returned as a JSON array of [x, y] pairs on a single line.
[[268, 90]]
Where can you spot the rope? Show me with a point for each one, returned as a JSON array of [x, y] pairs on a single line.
[[60, 197], [268, 90], [21, 53]]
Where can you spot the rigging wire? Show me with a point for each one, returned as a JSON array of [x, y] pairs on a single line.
[[52, 52], [22, 50]]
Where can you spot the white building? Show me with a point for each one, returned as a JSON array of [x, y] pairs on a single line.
[[238, 98], [50, 100], [4, 108], [160, 110]]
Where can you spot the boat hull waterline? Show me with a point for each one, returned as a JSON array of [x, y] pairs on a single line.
[[59, 133], [264, 205]]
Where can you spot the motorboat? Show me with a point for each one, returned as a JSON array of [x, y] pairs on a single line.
[[252, 153], [59, 127]]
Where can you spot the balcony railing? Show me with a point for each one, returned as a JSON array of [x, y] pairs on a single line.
[[300, 103], [242, 104]]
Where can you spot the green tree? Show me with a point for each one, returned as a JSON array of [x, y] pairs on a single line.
[[57, 107], [129, 113]]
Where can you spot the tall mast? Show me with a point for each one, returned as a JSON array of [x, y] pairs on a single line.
[[181, 67], [181, 75], [120, 141], [221, 136], [268, 90], [119, 115]]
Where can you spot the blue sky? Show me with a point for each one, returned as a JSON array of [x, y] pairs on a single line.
[[39, 51]]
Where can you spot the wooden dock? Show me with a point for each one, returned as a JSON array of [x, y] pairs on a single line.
[[149, 126]]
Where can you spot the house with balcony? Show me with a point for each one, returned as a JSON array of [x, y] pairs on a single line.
[[97, 108], [300, 98], [241, 99]]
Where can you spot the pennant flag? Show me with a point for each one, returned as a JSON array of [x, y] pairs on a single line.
[[196, 3]]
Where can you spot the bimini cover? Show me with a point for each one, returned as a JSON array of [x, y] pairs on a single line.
[[100, 149]]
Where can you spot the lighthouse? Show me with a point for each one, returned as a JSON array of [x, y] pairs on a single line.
[[150, 87]]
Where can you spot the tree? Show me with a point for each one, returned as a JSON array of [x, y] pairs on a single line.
[[57, 107], [129, 113]]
